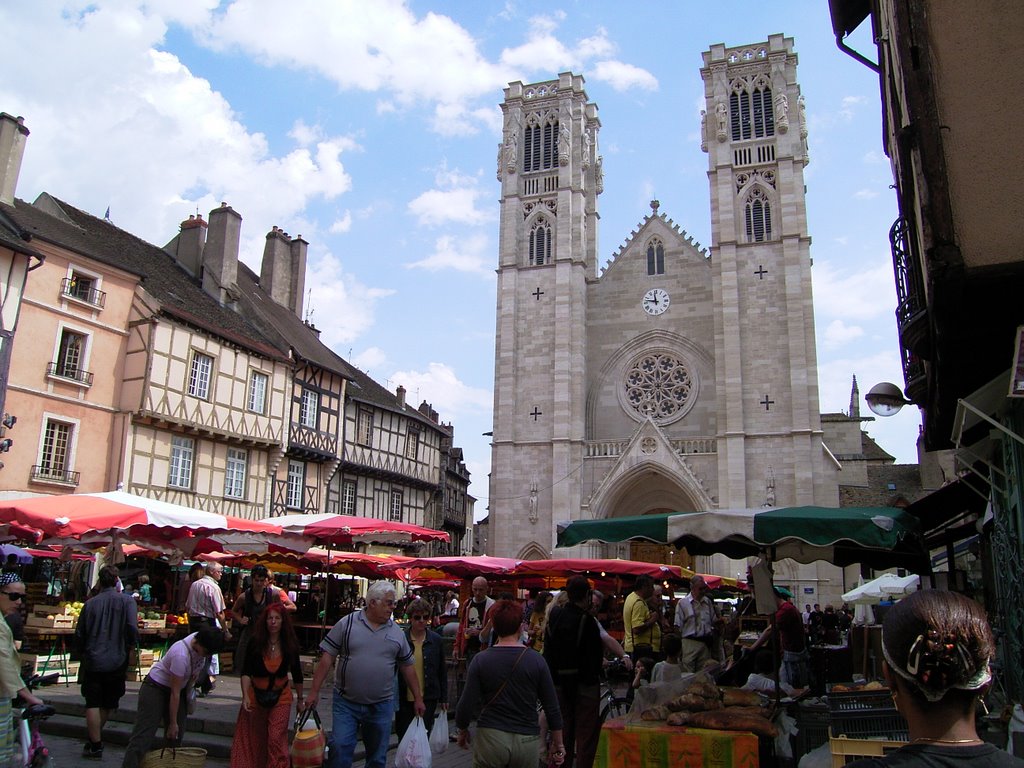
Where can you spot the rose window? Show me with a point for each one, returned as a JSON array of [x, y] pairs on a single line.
[[659, 385]]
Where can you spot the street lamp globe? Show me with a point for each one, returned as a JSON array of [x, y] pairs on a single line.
[[886, 399]]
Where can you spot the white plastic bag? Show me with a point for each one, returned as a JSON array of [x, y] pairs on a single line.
[[439, 733], [414, 748]]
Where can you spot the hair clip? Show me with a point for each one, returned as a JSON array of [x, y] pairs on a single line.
[[914, 656]]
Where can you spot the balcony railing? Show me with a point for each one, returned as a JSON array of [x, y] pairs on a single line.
[[72, 289], [911, 310], [69, 372], [47, 474], [314, 441]]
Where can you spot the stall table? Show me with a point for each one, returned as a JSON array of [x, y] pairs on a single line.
[[657, 745], [57, 646]]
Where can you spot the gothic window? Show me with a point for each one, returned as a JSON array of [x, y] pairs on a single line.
[[541, 150], [757, 213], [540, 242], [655, 258], [659, 385], [751, 111]]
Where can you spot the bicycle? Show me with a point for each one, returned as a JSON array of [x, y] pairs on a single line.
[[29, 747], [612, 676]]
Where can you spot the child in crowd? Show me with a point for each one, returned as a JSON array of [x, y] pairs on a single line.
[[670, 669]]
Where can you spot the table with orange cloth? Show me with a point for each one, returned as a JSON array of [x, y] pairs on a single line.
[[657, 745]]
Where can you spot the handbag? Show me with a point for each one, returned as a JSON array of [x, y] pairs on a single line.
[[267, 697], [308, 745]]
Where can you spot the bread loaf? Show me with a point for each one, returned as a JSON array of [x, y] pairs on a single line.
[[678, 718], [724, 720], [737, 697], [655, 713]]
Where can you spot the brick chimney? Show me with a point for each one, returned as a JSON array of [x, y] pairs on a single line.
[[220, 255], [187, 247], [298, 282], [13, 135], [283, 271], [400, 394]]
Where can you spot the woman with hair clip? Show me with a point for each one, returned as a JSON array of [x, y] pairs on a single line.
[[937, 647], [269, 671]]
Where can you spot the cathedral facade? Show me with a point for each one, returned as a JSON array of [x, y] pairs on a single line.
[[676, 378]]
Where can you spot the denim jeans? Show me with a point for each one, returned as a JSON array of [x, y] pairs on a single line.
[[347, 718]]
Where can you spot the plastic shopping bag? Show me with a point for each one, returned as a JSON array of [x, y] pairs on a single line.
[[414, 748], [439, 733]]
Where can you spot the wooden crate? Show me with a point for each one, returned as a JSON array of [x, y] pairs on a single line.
[[60, 621], [36, 663], [152, 623], [227, 661], [135, 674]]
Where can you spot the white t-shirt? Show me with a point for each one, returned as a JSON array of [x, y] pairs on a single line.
[[665, 671], [452, 609]]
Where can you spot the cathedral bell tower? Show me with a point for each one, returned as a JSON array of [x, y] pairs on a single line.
[[550, 174], [754, 130]]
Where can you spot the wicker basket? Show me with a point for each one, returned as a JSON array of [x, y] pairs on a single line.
[[175, 757]]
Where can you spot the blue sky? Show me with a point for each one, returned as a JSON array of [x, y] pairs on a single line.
[[371, 129]]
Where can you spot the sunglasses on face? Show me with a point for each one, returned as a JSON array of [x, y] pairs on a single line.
[[14, 596]]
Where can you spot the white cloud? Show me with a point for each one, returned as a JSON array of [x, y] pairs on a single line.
[[596, 46], [866, 194], [838, 334], [342, 225], [866, 294], [623, 77], [462, 254], [440, 386], [332, 289], [371, 358], [305, 135], [437, 207]]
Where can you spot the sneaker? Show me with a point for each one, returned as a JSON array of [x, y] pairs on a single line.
[[92, 751]]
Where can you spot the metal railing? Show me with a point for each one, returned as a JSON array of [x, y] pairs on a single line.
[[69, 372], [48, 474], [72, 289]]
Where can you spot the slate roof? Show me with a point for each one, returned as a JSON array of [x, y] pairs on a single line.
[[14, 237], [180, 295], [905, 480], [261, 324], [873, 451]]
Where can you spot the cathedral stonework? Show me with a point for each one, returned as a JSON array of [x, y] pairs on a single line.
[[676, 378]]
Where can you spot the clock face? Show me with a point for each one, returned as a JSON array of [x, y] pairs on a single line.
[[655, 301]]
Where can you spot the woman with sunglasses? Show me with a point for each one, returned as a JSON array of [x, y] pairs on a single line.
[[431, 668], [11, 685]]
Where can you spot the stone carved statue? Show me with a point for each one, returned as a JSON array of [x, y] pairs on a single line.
[[511, 152], [563, 145], [585, 162], [533, 502], [501, 153], [722, 115], [703, 130], [599, 174], [782, 112], [802, 116]]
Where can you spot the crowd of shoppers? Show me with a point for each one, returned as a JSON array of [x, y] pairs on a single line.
[[533, 671]]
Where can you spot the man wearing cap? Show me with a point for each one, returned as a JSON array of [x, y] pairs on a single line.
[[795, 667]]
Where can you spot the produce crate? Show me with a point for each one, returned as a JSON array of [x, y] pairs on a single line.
[[812, 723], [143, 658], [44, 609], [846, 750], [135, 674], [59, 621], [152, 623], [308, 665], [227, 661], [36, 663], [866, 715], [72, 674]]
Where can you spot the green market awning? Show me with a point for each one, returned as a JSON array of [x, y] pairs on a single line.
[[880, 537]]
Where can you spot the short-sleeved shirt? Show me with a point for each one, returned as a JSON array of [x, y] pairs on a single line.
[[790, 627], [181, 660], [366, 657], [695, 618], [205, 598], [635, 611], [942, 756]]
